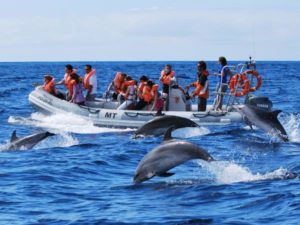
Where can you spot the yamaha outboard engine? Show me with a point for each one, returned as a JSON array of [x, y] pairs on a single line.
[[263, 103]]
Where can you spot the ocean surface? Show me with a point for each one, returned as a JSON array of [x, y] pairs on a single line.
[[83, 175]]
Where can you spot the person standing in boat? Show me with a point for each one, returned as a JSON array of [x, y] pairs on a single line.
[[129, 94], [77, 90], [165, 76], [223, 74], [117, 85], [201, 86], [67, 80], [90, 83]]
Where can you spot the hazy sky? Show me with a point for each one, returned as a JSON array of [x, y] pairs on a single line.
[[69, 30]]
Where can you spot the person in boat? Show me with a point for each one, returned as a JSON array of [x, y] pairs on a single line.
[[142, 84], [201, 86], [90, 83], [147, 95], [117, 85], [49, 86], [165, 76], [67, 80], [223, 74], [77, 89], [129, 94]]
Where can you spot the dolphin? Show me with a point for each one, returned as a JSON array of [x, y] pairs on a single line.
[[160, 124], [27, 142], [166, 156], [265, 120]]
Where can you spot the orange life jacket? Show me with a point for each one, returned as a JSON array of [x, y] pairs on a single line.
[[118, 82], [68, 80], [202, 91], [147, 94], [154, 89], [87, 79], [165, 78], [49, 86]]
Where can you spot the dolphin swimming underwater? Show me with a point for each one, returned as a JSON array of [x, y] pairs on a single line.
[[27, 142], [160, 124], [265, 120], [166, 156]]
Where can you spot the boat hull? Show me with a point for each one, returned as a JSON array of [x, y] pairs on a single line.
[[103, 112]]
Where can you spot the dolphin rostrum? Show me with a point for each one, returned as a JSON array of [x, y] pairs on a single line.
[[160, 124], [27, 142], [265, 120], [166, 156]]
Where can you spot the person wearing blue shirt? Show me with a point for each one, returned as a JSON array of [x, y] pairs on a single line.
[[224, 72]]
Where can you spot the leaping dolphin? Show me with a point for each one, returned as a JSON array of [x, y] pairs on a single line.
[[160, 124], [265, 120], [27, 142], [166, 156]]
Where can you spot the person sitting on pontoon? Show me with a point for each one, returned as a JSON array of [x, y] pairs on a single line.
[[117, 85], [67, 80], [165, 76], [77, 90], [142, 84], [147, 96], [49, 86], [201, 86], [129, 94], [90, 83], [223, 74]]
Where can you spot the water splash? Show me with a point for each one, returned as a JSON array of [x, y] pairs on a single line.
[[188, 132], [291, 123], [229, 172], [66, 122], [61, 140]]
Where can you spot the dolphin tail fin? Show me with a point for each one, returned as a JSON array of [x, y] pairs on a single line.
[[168, 134], [166, 174], [14, 136]]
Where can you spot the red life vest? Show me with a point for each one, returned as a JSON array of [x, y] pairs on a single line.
[[68, 80], [87, 79]]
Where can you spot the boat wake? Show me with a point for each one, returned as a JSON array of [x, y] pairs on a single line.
[[188, 132], [225, 172], [66, 123]]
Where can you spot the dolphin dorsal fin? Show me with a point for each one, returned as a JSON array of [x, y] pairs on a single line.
[[275, 113], [168, 134], [14, 136]]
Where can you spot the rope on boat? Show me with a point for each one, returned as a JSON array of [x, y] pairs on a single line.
[[208, 114], [139, 114]]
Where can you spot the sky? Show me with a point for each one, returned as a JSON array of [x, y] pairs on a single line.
[[149, 30]]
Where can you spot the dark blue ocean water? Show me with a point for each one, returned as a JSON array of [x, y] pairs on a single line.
[[83, 175]]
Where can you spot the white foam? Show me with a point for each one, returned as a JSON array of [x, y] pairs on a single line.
[[66, 122], [188, 132], [229, 172], [291, 123]]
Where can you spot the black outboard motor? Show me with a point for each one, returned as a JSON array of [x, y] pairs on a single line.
[[263, 103]]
